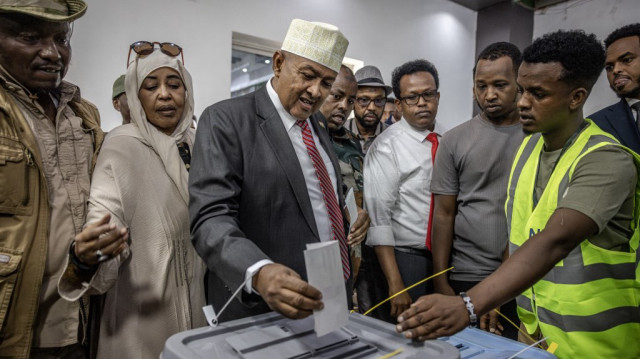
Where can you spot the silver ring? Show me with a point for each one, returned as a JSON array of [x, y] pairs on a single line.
[[101, 256]]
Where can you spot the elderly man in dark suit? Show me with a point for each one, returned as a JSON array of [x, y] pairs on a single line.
[[623, 72], [264, 182]]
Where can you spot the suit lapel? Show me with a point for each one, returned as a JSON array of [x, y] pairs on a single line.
[[623, 123], [282, 148]]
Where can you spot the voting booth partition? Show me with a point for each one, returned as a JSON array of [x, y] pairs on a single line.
[[273, 336]]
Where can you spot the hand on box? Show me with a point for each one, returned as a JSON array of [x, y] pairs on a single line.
[[433, 316]]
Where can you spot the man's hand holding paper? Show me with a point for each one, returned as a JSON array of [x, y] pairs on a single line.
[[285, 292]]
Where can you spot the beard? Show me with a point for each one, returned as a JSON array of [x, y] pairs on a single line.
[[634, 93], [364, 124]]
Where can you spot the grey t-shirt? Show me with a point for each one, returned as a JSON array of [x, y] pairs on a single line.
[[473, 162]]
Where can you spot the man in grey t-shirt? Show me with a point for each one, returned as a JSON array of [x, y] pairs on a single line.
[[470, 182]]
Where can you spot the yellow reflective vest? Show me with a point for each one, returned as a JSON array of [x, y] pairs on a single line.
[[589, 302]]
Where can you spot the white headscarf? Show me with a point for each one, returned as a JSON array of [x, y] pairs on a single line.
[[165, 146]]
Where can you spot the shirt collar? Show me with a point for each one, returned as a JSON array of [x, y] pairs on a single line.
[[353, 127], [631, 101], [65, 92], [287, 120], [420, 136]]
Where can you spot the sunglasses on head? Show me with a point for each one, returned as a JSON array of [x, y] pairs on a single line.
[[145, 48]]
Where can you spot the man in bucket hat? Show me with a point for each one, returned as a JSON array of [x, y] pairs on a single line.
[[49, 138], [265, 181], [369, 106]]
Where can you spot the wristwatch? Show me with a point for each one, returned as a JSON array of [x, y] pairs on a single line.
[[473, 318]]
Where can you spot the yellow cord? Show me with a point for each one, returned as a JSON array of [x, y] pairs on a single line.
[[392, 354], [518, 327], [406, 289]]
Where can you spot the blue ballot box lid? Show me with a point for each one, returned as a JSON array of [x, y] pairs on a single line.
[[273, 336]]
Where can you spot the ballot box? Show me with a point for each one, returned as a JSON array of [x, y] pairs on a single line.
[[272, 336]]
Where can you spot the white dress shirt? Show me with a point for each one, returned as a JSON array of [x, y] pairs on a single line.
[[397, 179], [323, 222]]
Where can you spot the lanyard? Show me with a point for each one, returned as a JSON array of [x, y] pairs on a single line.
[[564, 149]]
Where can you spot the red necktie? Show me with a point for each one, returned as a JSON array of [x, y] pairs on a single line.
[[433, 138], [329, 196]]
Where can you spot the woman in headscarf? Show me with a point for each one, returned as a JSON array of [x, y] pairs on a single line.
[[154, 282]]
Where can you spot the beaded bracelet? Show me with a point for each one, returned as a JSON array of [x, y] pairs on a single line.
[[473, 318]]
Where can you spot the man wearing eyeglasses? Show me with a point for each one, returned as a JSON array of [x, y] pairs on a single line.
[[49, 140], [369, 106], [397, 173]]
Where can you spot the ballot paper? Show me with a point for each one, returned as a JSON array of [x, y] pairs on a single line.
[[350, 203], [324, 272]]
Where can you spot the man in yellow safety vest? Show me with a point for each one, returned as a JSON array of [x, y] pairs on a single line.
[[572, 208]]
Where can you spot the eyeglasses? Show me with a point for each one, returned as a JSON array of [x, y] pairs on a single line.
[[413, 99], [145, 48], [364, 102]]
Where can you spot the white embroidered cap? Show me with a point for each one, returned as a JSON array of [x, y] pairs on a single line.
[[316, 41]]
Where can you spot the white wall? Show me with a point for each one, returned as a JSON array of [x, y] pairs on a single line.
[[600, 17], [384, 33]]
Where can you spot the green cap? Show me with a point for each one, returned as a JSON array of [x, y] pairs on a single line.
[[49, 10], [118, 87]]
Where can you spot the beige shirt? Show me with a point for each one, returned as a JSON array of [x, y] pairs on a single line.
[[364, 143], [66, 151]]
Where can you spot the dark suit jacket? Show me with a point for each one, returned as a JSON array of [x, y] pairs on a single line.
[[618, 120], [248, 197]]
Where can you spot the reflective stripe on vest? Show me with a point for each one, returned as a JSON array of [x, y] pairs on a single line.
[[592, 295], [526, 148]]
